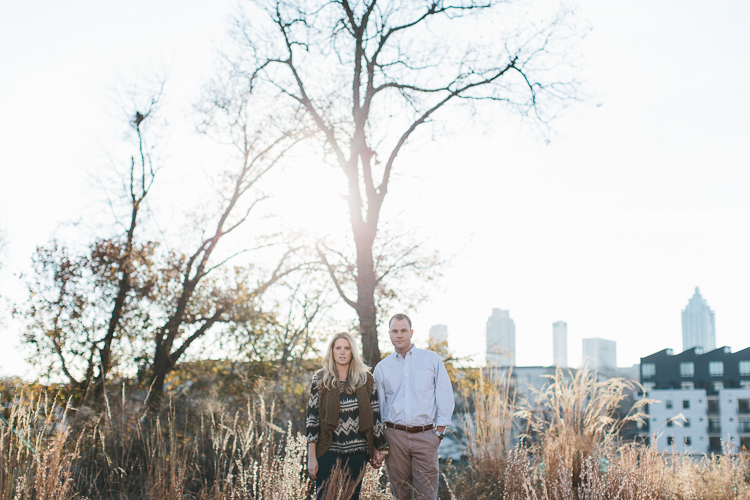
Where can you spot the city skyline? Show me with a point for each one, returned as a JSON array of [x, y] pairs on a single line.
[[598, 353]]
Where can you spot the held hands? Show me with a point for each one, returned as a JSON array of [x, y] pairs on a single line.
[[312, 466], [377, 459]]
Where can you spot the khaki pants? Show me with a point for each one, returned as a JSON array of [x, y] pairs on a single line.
[[413, 464]]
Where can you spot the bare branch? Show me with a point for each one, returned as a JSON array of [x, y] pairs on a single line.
[[335, 280]]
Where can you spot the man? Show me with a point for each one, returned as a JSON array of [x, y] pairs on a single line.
[[416, 403]]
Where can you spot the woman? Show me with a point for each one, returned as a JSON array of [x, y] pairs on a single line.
[[343, 416]]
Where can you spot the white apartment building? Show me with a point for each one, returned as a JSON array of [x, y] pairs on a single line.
[[690, 421]]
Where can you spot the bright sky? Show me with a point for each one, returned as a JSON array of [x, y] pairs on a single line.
[[609, 228]]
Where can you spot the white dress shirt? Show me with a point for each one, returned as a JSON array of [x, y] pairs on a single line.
[[415, 389]]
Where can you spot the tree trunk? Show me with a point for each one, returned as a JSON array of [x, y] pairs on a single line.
[[105, 353], [366, 284], [368, 329], [160, 369]]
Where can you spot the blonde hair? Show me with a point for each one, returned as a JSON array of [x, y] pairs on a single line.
[[358, 370]]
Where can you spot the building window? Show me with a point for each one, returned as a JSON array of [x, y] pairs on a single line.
[[687, 386], [743, 424], [688, 441], [670, 440], [648, 386], [713, 406], [745, 444], [718, 386], [716, 368], [687, 369], [686, 403], [670, 423], [669, 404], [687, 422], [743, 406], [714, 425], [745, 384], [745, 368], [714, 445], [648, 370]]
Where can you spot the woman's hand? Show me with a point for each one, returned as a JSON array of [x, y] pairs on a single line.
[[377, 459], [312, 466]]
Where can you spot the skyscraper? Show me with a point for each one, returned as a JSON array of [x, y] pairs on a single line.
[[698, 325], [501, 339], [560, 344], [438, 334], [600, 354]]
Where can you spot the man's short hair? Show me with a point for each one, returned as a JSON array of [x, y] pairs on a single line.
[[399, 317]]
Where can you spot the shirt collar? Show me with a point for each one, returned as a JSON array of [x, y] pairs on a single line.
[[411, 351]]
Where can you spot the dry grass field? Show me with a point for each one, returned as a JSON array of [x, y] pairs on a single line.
[[570, 450]]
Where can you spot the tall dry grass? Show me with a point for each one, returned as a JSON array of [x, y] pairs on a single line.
[[562, 443], [126, 454], [568, 447]]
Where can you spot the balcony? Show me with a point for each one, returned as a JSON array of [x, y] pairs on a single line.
[[743, 427], [714, 427]]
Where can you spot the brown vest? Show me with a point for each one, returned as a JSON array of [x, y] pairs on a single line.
[[329, 414]]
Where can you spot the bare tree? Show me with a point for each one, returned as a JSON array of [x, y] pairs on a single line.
[[193, 302], [368, 74], [119, 259], [79, 301]]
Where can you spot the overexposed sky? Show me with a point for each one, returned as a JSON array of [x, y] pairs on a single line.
[[641, 195]]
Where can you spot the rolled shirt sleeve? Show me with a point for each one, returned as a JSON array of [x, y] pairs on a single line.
[[380, 388], [443, 395], [378, 435]]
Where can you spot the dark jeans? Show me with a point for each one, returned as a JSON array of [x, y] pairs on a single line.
[[353, 465]]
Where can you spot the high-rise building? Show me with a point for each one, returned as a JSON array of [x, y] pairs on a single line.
[[560, 344], [698, 324], [501, 339], [438, 334], [600, 354]]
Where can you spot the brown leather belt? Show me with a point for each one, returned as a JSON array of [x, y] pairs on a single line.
[[411, 430]]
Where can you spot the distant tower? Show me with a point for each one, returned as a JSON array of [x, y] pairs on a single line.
[[438, 334], [698, 324], [560, 344], [600, 354], [501, 339]]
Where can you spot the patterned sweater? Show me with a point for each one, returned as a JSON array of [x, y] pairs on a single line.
[[347, 440]]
